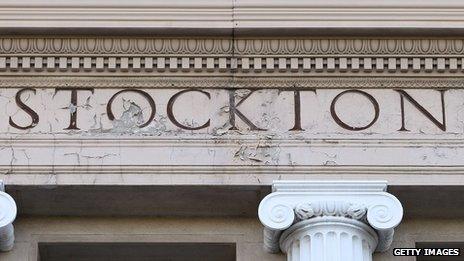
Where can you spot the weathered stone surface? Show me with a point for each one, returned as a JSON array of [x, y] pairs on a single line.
[[199, 127]]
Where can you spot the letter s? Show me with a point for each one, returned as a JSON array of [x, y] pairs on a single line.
[[27, 109]]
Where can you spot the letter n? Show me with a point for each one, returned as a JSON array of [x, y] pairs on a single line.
[[404, 95]]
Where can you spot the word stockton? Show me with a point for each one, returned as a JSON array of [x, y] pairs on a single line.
[[236, 102]]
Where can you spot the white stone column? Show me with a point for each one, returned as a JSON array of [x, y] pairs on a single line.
[[329, 221], [7, 216]]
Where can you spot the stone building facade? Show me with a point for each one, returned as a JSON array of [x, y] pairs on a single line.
[[230, 130]]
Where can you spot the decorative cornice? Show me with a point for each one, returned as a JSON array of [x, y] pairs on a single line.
[[227, 56], [292, 201]]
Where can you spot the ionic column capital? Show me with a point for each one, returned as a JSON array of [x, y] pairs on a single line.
[[364, 202]]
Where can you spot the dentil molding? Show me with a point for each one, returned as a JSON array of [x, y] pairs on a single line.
[[144, 56], [357, 209]]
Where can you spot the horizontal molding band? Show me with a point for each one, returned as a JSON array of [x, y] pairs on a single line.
[[222, 56], [231, 141], [223, 65], [248, 170], [232, 82], [219, 153], [239, 15], [224, 175], [297, 46]]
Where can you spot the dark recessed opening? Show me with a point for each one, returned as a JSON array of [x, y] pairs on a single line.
[[137, 251]]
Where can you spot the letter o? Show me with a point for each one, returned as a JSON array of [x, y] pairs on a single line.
[[353, 128], [110, 114]]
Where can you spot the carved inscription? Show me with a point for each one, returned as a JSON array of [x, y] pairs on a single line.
[[222, 111], [25, 108], [73, 105], [347, 126], [171, 113], [150, 100]]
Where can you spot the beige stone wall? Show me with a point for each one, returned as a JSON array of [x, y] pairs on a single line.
[[246, 233]]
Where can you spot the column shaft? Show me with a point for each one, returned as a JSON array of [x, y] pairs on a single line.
[[329, 239]]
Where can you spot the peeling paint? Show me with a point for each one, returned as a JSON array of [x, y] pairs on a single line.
[[131, 118]]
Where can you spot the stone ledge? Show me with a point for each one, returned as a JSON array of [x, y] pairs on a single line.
[[237, 15]]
